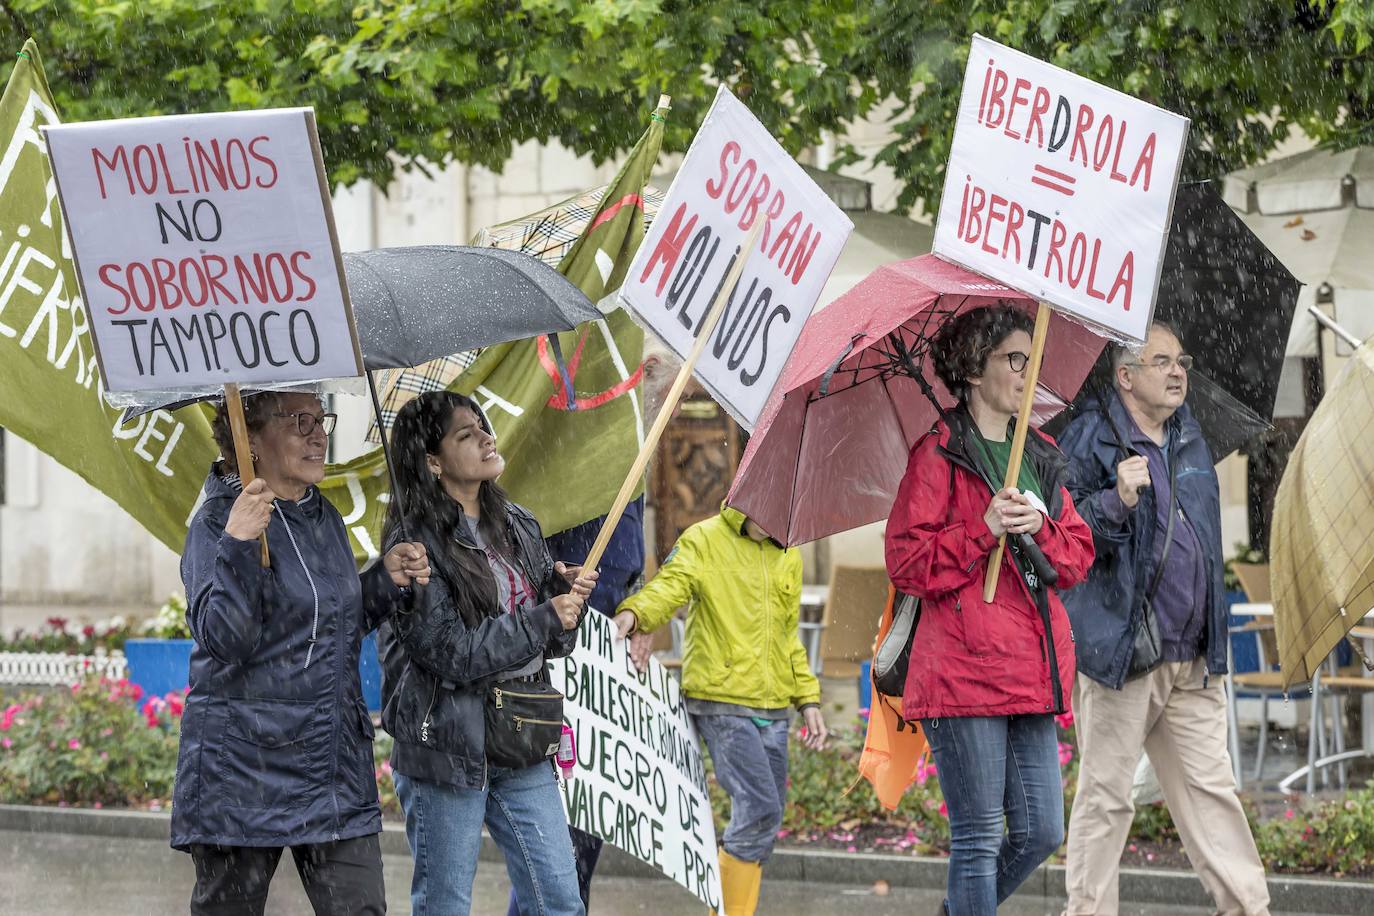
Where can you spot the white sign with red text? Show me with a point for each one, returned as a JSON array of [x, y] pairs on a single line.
[[734, 173], [205, 249], [1061, 188]]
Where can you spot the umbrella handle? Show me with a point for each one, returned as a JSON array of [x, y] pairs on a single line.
[[386, 454]]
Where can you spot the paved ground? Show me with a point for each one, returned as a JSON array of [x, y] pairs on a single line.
[[58, 875]]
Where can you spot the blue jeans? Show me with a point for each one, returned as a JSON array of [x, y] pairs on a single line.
[[991, 770], [524, 814], [751, 766]]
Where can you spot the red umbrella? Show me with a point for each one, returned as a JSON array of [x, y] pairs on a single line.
[[832, 443]]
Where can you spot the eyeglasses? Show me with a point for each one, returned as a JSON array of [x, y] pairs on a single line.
[[1165, 363], [306, 422], [1016, 360]]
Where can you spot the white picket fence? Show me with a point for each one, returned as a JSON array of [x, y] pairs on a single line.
[[55, 669]]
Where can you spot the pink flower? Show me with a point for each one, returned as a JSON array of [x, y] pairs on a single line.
[[175, 704], [97, 805], [925, 768], [943, 809], [1064, 720], [74, 745], [386, 767], [1288, 814], [6, 743], [1065, 753], [76, 688], [104, 755], [106, 732]]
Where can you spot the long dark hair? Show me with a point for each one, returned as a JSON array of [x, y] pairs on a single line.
[[419, 428]]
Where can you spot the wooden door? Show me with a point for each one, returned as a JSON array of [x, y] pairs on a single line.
[[697, 458]]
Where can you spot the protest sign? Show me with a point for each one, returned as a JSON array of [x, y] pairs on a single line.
[[734, 173], [205, 250], [1061, 188], [640, 781]]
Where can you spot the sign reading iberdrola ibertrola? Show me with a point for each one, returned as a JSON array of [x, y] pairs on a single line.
[[736, 172], [1060, 187], [640, 782], [205, 249]]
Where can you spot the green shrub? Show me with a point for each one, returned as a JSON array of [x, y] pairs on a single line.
[[1334, 836], [92, 744]]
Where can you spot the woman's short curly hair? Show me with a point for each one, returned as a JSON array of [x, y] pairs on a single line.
[[960, 349], [257, 410]]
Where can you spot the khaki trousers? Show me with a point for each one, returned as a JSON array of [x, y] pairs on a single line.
[[1181, 725]]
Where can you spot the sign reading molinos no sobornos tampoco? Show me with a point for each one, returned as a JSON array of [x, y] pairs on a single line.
[[1060, 187], [205, 249]]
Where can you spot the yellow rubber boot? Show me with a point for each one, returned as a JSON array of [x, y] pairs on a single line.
[[739, 885]]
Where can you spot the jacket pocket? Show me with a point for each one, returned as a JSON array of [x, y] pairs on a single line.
[[973, 616], [272, 754]]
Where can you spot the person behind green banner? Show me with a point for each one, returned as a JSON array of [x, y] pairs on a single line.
[[276, 743], [743, 669]]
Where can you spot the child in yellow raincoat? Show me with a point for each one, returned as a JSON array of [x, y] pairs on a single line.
[[743, 669]]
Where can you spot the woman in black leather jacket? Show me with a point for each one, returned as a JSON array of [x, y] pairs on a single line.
[[496, 608]]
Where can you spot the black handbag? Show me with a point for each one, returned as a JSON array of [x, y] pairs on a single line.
[[524, 721], [1147, 650]]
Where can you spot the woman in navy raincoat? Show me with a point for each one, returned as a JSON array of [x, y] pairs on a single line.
[[276, 742]]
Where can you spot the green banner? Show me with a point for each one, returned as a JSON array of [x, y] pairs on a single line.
[[567, 456], [51, 386]]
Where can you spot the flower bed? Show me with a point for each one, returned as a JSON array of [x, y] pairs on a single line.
[[96, 744], [104, 744]]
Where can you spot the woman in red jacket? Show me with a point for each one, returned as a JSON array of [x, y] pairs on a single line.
[[986, 679]]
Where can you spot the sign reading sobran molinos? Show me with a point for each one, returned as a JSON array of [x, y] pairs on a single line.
[[736, 173], [640, 781]]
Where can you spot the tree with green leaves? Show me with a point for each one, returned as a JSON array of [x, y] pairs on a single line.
[[400, 83], [1246, 72]]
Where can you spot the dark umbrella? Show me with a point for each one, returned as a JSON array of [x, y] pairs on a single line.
[[414, 304], [1232, 302]]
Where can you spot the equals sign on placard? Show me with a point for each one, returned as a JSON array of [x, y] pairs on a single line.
[[1055, 181]]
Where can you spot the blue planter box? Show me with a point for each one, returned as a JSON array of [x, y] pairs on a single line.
[[161, 666]]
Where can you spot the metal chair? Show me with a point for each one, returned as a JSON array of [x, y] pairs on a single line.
[[1265, 683], [1334, 684]]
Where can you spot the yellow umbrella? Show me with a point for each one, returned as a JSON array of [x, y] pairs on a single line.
[[1321, 551]]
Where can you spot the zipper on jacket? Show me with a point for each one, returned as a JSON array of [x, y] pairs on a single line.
[[767, 615], [424, 723]]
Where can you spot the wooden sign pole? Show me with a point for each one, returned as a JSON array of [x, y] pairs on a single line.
[[1018, 439], [646, 451], [243, 452]]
